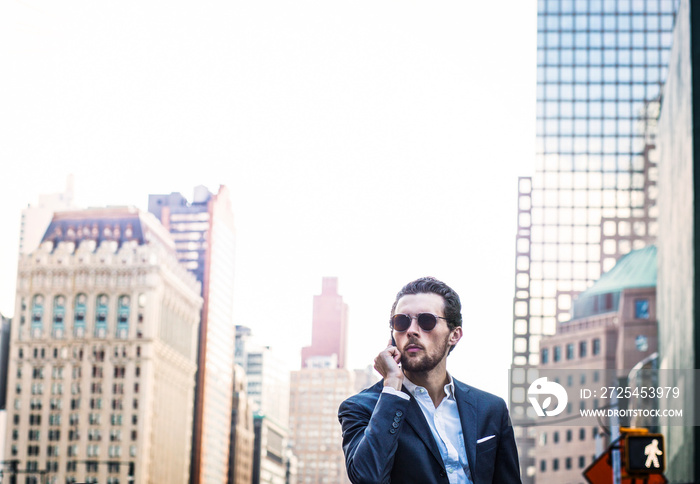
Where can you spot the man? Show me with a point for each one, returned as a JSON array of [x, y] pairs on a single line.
[[420, 425]]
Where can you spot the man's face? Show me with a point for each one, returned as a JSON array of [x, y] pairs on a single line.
[[421, 350]]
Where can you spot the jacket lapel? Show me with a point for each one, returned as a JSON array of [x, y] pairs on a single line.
[[416, 420], [466, 404]]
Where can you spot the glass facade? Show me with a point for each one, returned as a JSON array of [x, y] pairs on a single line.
[[592, 198], [204, 237]]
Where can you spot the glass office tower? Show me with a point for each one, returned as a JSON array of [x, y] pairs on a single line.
[[204, 237], [591, 199]]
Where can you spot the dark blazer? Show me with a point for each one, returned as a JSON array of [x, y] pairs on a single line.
[[387, 439]]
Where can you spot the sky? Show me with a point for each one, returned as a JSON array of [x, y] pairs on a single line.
[[376, 142]]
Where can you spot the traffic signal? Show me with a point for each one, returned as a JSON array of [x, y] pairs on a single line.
[[645, 454]]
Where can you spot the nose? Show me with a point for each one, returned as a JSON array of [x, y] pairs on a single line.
[[413, 328]]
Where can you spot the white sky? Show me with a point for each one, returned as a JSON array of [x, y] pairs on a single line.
[[374, 141]]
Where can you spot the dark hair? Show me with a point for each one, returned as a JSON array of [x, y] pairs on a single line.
[[453, 307]]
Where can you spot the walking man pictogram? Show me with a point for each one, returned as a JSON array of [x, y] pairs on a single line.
[[652, 452]]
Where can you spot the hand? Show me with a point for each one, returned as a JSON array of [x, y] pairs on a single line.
[[387, 364]]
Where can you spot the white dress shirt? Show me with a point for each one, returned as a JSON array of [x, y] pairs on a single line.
[[446, 427]]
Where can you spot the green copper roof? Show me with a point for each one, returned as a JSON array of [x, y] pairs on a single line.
[[636, 269]]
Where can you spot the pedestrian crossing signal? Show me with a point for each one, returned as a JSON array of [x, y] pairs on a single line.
[[645, 454]]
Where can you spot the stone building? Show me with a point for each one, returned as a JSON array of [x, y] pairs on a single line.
[[103, 354]]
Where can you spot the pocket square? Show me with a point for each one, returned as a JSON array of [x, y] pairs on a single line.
[[484, 439]]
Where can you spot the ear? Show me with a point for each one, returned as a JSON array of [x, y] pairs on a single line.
[[456, 335]]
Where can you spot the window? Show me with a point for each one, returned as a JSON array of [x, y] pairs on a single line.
[[596, 346], [568, 463], [59, 316], [555, 437], [79, 315], [98, 353], [57, 372], [545, 359], [582, 349], [557, 353], [123, 310], [101, 311], [570, 351], [37, 314], [543, 465], [555, 465], [568, 435], [641, 308]]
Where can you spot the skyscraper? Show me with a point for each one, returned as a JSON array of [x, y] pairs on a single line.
[[329, 332], [36, 218], [601, 67], [103, 355], [204, 237], [268, 391], [240, 458], [318, 389]]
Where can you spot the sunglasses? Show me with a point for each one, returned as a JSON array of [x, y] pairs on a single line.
[[426, 321]]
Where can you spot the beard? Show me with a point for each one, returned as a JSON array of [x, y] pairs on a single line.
[[426, 361]]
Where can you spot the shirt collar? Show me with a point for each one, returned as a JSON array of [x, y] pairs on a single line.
[[449, 387]]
